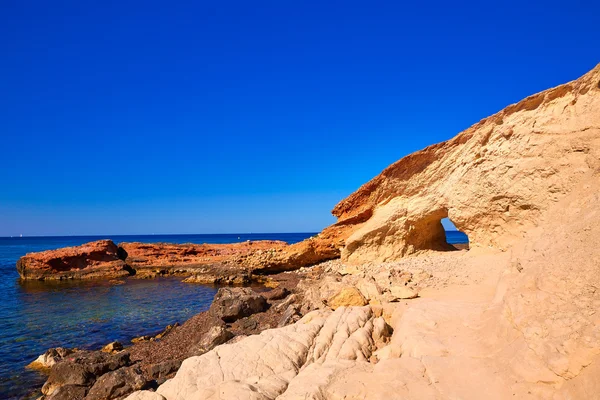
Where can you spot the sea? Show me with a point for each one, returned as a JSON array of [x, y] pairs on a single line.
[[35, 316]]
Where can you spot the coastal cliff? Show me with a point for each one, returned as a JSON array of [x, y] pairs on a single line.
[[382, 307], [494, 181], [399, 317]]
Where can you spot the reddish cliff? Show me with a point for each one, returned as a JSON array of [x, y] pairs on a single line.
[[91, 260]]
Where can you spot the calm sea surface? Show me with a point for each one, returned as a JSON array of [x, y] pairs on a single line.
[[35, 316]]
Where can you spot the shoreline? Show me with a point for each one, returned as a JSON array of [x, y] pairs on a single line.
[[156, 356], [175, 350]]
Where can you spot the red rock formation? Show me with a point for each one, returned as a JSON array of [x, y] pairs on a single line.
[[91, 260], [191, 258], [209, 263]]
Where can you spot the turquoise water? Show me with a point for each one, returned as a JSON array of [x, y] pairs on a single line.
[[35, 316]]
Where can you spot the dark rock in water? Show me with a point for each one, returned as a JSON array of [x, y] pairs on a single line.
[[83, 368], [276, 294], [231, 304], [117, 383], [68, 392]]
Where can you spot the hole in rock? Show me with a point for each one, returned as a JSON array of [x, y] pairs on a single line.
[[454, 237]]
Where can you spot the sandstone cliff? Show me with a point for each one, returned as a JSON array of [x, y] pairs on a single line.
[[494, 181], [515, 317]]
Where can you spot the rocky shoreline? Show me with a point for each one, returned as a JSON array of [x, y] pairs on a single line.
[[115, 370], [380, 305], [223, 264]]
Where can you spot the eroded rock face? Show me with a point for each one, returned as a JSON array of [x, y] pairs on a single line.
[[495, 180], [91, 260], [224, 264], [212, 263], [262, 366]]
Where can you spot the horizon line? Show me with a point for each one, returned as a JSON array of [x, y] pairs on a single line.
[[170, 234]]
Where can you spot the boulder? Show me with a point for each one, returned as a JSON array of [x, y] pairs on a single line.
[[348, 296], [118, 383], [162, 371], [50, 358], [276, 294], [231, 304], [68, 392], [83, 368], [215, 336], [101, 258], [113, 347], [402, 292], [291, 314]]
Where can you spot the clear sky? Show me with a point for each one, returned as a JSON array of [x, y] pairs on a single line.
[[128, 117]]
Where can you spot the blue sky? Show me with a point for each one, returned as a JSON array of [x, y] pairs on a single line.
[[233, 116]]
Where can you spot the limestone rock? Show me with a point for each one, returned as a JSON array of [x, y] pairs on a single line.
[[50, 358], [348, 296], [262, 366], [290, 315], [494, 180], [231, 304], [91, 260], [145, 395], [113, 347], [402, 292]]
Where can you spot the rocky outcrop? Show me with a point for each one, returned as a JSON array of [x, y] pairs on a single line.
[[308, 252], [231, 304], [50, 358], [515, 317], [282, 360], [224, 264], [82, 369], [91, 260], [118, 383], [495, 180], [209, 263]]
